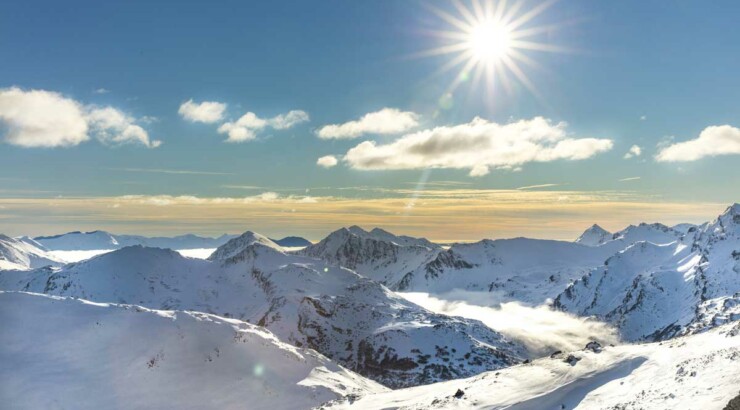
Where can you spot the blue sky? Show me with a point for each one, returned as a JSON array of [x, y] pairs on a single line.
[[635, 73]]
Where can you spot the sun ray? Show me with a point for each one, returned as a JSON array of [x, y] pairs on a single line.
[[491, 41]]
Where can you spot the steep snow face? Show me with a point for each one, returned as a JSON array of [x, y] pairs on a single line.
[[22, 254], [83, 355], [96, 240], [526, 270], [653, 292], [693, 372], [304, 301], [593, 236], [378, 254]]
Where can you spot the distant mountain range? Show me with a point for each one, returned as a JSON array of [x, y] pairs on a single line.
[[97, 240]]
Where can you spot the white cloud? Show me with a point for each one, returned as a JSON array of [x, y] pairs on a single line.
[[714, 140], [206, 111], [479, 146], [643, 118], [39, 118], [384, 122], [629, 179], [327, 161], [634, 151], [101, 91], [111, 126], [249, 124]]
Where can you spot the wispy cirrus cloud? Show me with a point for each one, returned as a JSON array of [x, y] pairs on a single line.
[[383, 122], [206, 112], [478, 146], [248, 125], [712, 141], [40, 118], [170, 171], [538, 186], [629, 179]]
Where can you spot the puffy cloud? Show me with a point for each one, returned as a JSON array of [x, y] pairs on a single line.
[[714, 140], [206, 111], [114, 127], [39, 118], [385, 121], [327, 161], [249, 124], [634, 151], [479, 146]]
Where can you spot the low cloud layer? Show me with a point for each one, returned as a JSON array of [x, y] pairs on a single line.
[[207, 111], [540, 329], [384, 122], [713, 141], [478, 146], [39, 118], [249, 124]]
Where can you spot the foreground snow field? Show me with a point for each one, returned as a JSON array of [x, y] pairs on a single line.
[[72, 354], [700, 372]]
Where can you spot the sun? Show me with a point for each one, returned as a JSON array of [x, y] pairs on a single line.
[[491, 43]]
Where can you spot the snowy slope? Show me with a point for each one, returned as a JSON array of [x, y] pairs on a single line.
[[652, 291], [527, 270], [594, 236], [378, 254], [79, 241], [695, 372], [23, 254], [67, 353], [304, 301]]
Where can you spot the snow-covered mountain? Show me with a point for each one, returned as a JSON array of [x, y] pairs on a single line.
[[521, 269], [304, 301], [655, 291], [292, 242], [693, 372], [377, 254], [23, 254], [95, 240], [67, 353], [594, 236]]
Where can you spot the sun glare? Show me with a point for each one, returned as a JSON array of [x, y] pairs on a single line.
[[491, 43]]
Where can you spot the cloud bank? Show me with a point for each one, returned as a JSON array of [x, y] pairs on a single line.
[[541, 329], [207, 111], [39, 118], [384, 122], [249, 124], [713, 141], [478, 146]]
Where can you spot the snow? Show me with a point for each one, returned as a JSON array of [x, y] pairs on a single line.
[[694, 372], [21, 254], [304, 301], [65, 353], [97, 240]]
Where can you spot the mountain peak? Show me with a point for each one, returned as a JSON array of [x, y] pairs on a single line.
[[594, 235], [242, 242]]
